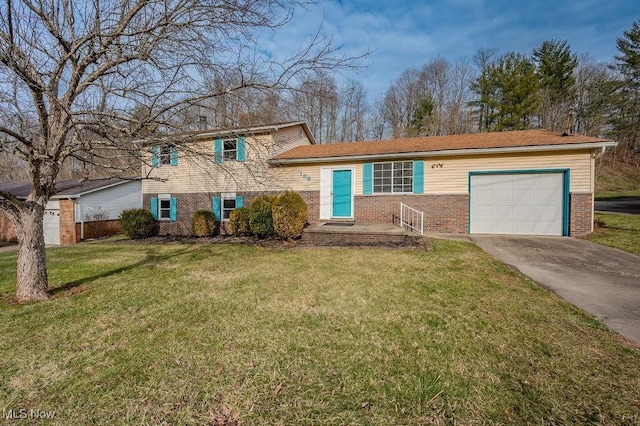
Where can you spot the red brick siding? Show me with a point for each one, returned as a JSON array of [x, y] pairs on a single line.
[[581, 214], [67, 222], [7, 231], [189, 203], [347, 239], [442, 213]]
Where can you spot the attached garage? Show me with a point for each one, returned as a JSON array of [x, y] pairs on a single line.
[[531, 202], [79, 210], [51, 223]]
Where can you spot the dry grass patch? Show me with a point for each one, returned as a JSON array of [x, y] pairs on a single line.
[[197, 334], [618, 231]]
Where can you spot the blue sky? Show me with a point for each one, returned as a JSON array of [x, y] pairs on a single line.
[[406, 33]]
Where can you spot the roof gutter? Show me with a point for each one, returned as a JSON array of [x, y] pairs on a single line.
[[447, 152], [80, 194], [221, 133]]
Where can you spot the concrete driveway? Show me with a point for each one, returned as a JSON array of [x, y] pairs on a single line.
[[7, 247], [601, 280]]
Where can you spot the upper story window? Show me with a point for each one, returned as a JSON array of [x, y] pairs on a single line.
[[393, 177], [230, 149], [164, 154]]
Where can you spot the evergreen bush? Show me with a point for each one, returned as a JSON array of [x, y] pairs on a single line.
[[239, 221], [261, 217], [289, 215], [137, 223], [204, 224]]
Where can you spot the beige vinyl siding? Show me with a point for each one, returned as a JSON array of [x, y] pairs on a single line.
[[288, 138], [197, 171], [294, 177], [450, 175]]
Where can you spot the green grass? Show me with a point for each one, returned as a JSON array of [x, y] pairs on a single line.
[[194, 334], [619, 231]]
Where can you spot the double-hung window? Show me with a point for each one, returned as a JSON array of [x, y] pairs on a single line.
[[223, 205], [228, 205], [164, 155], [164, 158], [229, 149], [393, 177], [164, 207]]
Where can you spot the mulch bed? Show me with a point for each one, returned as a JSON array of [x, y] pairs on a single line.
[[276, 243]]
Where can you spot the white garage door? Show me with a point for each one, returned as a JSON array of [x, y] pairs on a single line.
[[527, 204], [52, 223]]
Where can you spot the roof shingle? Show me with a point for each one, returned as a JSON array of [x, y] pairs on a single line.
[[513, 139]]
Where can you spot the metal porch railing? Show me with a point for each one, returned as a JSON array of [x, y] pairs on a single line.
[[411, 219]]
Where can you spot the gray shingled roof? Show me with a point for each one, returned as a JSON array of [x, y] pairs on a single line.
[[64, 188]]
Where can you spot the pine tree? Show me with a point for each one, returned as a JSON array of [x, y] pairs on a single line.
[[555, 65]]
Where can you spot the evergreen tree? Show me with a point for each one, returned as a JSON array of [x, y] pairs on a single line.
[[516, 99], [555, 65], [625, 121]]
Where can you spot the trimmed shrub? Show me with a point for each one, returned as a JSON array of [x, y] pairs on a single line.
[[137, 223], [239, 221], [289, 215], [204, 224], [261, 217]]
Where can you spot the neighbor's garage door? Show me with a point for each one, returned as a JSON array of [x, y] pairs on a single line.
[[527, 204], [52, 223]]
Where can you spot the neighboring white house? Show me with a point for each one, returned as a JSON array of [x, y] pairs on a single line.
[[80, 209]]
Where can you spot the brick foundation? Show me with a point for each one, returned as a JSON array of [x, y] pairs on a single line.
[[445, 213], [442, 213], [580, 214], [189, 203], [349, 239]]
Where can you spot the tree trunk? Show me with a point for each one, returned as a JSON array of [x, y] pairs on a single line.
[[32, 282]]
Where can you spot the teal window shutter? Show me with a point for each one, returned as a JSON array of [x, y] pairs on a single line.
[[154, 207], [155, 156], [173, 209], [174, 156], [239, 201], [418, 177], [217, 150], [241, 151], [367, 178], [216, 207]]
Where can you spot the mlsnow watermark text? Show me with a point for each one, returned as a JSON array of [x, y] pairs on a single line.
[[24, 413]]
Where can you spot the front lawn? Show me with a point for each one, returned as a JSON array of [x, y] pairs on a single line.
[[617, 230], [206, 334]]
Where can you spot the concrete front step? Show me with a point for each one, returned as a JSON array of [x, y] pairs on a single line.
[[349, 233]]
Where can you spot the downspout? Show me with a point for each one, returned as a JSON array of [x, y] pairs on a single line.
[[79, 215], [595, 174]]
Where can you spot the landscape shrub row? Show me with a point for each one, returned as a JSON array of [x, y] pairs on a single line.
[[283, 216]]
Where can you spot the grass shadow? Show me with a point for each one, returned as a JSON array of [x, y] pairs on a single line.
[[72, 287]]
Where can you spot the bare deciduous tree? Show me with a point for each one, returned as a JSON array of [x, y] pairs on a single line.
[[73, 73]]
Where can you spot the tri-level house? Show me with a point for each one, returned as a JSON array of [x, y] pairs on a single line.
[[532, 182]]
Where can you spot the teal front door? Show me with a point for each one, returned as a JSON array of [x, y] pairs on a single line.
[[341, 203]]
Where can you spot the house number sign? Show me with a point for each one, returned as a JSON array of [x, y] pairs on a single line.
[[305, 177]]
